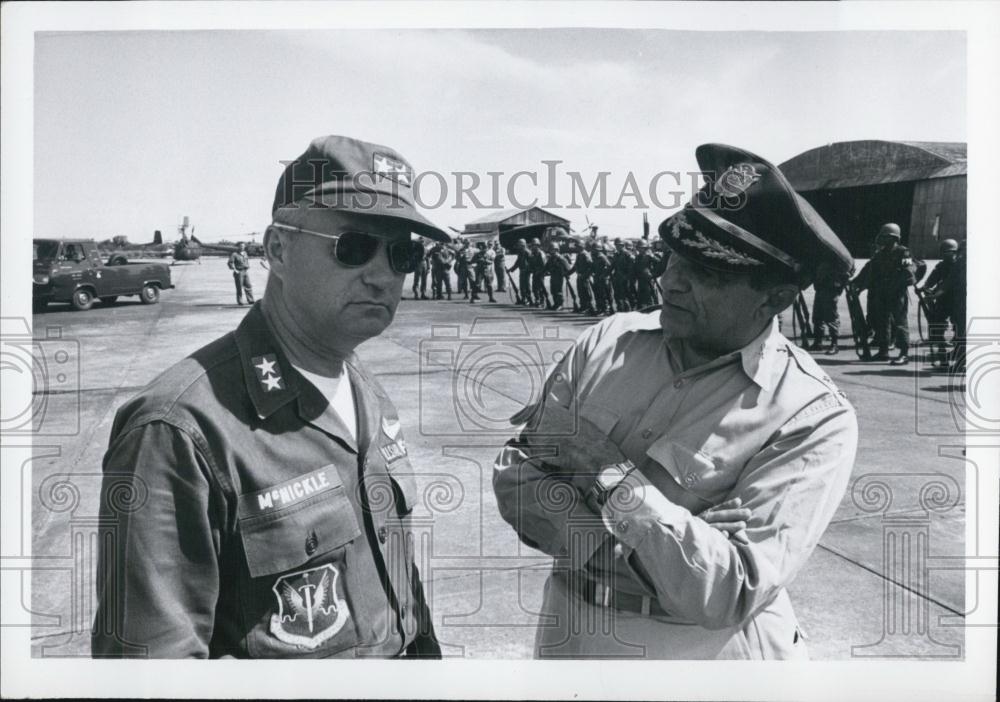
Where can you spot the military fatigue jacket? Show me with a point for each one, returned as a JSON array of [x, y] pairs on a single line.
[[583, 266], [764, 424], [259, 527], [238, 261], [889, 273]]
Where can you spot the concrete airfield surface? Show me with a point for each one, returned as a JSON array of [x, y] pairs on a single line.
[[456, 371]]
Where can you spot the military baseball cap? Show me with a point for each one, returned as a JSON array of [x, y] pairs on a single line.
[[747, 217], [337, 172]]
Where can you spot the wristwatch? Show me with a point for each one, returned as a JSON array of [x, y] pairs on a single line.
[[608, 478]]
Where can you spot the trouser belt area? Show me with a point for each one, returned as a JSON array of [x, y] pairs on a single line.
[[601, 595]]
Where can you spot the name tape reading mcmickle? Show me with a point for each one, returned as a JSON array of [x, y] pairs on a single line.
[[288, 493]]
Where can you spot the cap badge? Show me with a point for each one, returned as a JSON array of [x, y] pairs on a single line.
[[708, 247], [736, 179], [392, 168], [268, 372]]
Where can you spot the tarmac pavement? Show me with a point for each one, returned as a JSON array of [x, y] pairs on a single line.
[[878, 584]]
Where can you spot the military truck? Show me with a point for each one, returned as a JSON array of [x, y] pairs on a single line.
[[71, 270]]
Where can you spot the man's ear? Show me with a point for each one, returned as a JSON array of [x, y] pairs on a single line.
[[274, 250], [779, 298]]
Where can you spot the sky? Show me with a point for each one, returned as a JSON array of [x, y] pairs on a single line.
[[134, 130]]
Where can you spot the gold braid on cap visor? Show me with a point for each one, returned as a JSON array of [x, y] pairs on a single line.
[[709, 247]]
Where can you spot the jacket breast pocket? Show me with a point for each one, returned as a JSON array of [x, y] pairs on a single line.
[[695, 471], [600, 416], [297, 600]]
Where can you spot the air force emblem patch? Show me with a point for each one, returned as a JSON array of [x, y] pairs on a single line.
[[309, 608]]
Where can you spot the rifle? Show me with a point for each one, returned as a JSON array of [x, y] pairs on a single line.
[[513, 285], [800, 313], [859, 325], [925, 311], [572, 293]]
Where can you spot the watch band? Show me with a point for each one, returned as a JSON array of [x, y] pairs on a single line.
[[608, 478]]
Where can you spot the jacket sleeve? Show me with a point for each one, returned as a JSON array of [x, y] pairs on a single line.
[[546, 511], [158, 572], [425, 643], [792, 489], [861, 280]]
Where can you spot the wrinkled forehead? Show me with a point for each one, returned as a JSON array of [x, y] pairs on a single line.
[[325, 220]]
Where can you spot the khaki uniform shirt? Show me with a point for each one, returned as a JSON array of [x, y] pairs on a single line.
[[242, 518], [765, 424]]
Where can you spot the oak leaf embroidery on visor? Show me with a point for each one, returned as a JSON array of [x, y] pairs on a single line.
[[709, 247]]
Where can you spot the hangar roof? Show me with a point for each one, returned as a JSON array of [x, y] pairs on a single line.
[[849, 164], [505, 219]]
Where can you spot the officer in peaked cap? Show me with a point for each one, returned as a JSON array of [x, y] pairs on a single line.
[[275, 480], [706, 452]]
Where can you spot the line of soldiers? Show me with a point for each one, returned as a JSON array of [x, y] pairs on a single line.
[[609, 279], [887, 277], [624, 276], [478, 269]]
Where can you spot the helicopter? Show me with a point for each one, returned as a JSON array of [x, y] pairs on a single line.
[[253, 247], [187, 248]]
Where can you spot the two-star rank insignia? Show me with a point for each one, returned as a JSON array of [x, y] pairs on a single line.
[[389, 167], [268, 372]]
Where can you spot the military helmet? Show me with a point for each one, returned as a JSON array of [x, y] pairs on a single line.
[[535, 241], [522, 241], [890, 229], [948, 245], [643, 244]]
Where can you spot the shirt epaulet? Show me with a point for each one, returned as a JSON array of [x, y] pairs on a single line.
[[807, 365]]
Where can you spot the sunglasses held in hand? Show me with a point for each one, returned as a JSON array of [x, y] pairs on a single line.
[[354, 249]]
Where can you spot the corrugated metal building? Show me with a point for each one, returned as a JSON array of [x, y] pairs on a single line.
[[490, 226], [859, 185]]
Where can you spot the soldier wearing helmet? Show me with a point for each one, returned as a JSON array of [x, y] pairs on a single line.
[[557, 267], [887, 276], [583, 266], [940, 301], [602, 281], [644, 263], [537, 261], [524, 274], [499, 267], [622, 264]]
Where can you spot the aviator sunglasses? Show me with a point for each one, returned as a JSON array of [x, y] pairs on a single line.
[[354, 249]]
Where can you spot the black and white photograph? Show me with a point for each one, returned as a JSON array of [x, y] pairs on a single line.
[[570, 349]]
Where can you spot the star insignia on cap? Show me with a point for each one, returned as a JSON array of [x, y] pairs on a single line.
[[268, 372], [388, 167]]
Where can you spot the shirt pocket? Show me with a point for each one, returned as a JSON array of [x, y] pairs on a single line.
[[602, 417], [296, 600], [696, 471]]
